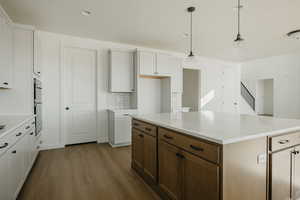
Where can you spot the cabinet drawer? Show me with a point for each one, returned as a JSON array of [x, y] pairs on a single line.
[[284, 141], [202, 149], [145, 127]]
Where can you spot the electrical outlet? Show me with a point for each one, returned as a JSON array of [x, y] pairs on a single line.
[[262, 158]]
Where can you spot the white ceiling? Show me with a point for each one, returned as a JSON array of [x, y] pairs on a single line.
[[162, 23]]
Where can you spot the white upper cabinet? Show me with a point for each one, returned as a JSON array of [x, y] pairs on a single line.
[[160, 64], [164, 64], [122, 71], [147, 63], [6, 53], [36, 65]]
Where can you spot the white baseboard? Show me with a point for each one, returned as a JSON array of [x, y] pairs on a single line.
[[48, 147], [120, 145], [102, 140]]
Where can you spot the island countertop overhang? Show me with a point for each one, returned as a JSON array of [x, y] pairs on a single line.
[[221, 128]]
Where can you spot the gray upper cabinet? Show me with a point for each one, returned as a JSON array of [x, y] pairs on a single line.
[[121, 71], [6, 53]]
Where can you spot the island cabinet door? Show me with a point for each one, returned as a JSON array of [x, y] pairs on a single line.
[[137, 150], [281, 175], [169, 170], [296, 175], [200, 178], [150, 157]]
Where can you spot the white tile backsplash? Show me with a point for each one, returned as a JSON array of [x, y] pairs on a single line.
[[119, 100]]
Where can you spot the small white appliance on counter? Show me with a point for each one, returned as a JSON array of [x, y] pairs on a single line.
[[120, 127]]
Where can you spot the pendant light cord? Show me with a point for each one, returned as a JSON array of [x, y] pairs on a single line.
[[191, 35], [239, 16]]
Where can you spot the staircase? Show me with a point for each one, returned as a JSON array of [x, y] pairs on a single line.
[[249, 98]]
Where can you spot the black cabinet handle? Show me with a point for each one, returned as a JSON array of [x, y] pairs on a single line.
[[168, 137], [27, 127], [5, 83], [141, 135], [67, 108], [14, 152], [296, 152], [283, 141], [19, 134], [180, 155], [4, 145], [196, 148], [31, 133], [148, 129]]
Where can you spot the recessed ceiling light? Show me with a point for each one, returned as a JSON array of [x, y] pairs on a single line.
[[294, 34], [86, 13]]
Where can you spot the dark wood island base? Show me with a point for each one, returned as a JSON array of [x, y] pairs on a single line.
[[181, 167]]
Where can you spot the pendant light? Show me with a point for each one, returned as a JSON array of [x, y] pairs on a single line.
[[191, 59], [239, 39]]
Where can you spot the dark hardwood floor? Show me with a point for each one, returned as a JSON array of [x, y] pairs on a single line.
[[85, 172]]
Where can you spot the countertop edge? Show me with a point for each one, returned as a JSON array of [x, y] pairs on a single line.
[[8, 131], [221, 142], [178, 130]]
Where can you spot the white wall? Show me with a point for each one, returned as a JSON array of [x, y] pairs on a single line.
[[191, 89], [285, 71], [264, 96], [214, 84], [268, 97], [50, 60], [19, 99], [49, 51], [150, 95]]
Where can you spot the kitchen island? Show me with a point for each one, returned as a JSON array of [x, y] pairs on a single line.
[[217, 156]]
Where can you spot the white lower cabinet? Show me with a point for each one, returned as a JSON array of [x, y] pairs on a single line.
[[17, 167], [120, 127], [4, 168], [16, 162]]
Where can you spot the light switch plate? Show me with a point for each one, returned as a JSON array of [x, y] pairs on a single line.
[[262, 158]]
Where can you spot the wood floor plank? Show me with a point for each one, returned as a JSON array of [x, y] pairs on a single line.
[[85, 172]]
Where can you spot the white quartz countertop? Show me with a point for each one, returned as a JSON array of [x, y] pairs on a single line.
[[12, 122], [222, 128]]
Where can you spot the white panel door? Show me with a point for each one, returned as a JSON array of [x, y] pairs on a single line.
[[147, 63], [231, 90], [79, 77]]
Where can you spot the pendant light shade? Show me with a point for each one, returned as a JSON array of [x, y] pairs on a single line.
[[191, 60], [239, 39]]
